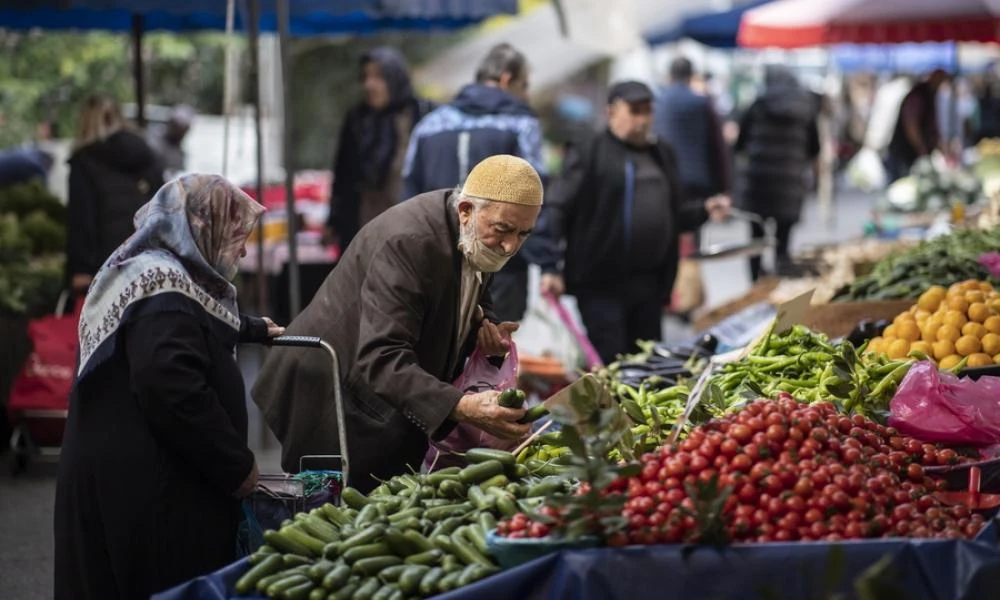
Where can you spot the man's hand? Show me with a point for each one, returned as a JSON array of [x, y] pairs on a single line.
[[718, 207], [273, 330], [483, 411], [249, 484], [494, 340], [552, 283]]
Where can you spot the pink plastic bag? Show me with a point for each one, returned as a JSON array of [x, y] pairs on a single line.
[[935, 406], [479, 376]]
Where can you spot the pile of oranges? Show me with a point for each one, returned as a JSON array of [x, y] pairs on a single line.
[[947, 325]]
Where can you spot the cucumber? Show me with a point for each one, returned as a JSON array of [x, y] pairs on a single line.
[[449, 581], [284, 543], [406, 514], [294, 560], [514, 488], [506, 506], [429, 582], [335, 515], [277, 589], [331, 551], [465, 550], [319, 570], [439, 477], [479, 498], [344, 593], [497, 481], [269, 566], [472, 574], [487, 521], [361, 538], [398, 543], [371, 566], [299, 592], [391, 574], [418, 541], [479, 472], [511, 398], [318, 594], [367, 589], [546, 487], [443, 543], [409, 580], [295, 532], [521, 471], [353, 498], [367, 551], [431, 557], [367, 515], [441, 512], [385, 592], [408, 524], [481, 455], [477, 536], [534, 413], [452, 489], [433, 502], [337, 577], [446, 527]]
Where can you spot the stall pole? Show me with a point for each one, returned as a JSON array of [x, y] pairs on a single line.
[[254, 31], [138, 70], [227, 84], [288, 145]]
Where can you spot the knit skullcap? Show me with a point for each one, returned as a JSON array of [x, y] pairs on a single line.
[[505, 178]]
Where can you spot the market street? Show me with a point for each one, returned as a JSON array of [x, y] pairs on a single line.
[[26, 501]]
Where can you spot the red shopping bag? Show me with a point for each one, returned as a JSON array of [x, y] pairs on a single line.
[[47, 377], [479, 376]]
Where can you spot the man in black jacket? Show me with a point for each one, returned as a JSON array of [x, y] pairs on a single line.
[[486, 118], [619, 205]]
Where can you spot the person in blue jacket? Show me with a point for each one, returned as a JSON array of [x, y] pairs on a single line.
[[488, 117]]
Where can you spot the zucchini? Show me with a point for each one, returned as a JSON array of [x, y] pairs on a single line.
[[398, 543], [497, 481], [446, 527], [487, 521], [361, 538], [345, 593], [353, 498], [318, 594], [319, 570], [465, 551], [479, 498], [367, 551], [472, 574], [431, 557], [367, 515], [429, 582], [406, 514], [367, 589], [331, 551], [479, 472], [277, 589], [443, 543], [441, 512], [534, 413], [438, 477], [269, 566], [392, 574], [409, 580], [299, 592], [452, 488], [449, 582], [477, 536], [371, 566], [385, 592], [418, 541], [284, 543], [546, 487]]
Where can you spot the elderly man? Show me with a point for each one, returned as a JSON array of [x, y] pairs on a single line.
[[404, 308]]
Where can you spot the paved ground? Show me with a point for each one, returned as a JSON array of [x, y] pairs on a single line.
[[26, 501]]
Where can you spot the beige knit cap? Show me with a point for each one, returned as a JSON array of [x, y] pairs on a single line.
[[505, 178]]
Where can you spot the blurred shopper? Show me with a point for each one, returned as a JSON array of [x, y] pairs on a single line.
[[917, 133], [168, 139], [779, 143], [155, 455], [488, 117], [112, 172], [367, 170], [988, 100], [619, 206], [689, 123]]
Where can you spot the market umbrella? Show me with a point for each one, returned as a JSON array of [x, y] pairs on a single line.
[[800, 23], [715, 29]]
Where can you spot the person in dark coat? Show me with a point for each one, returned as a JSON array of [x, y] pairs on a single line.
[[112, 172], [490, 116], [155, 452], [779, 141], [404, 308], [619, 206], [917, 133], [367, 170]]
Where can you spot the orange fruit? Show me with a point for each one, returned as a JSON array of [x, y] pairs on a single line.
[[985, 286], [928, 333], [922, 347], [949, 333], [943, 348], [996, 359], [958, 303], [908, 330], [955, 318], [991, 343], [973, 328], [889, 332], [899, 348], [975, 296], [980, 359], [968, 345], [978, 312], [876, 345], [905, 317], [949, 361], [931, 299]]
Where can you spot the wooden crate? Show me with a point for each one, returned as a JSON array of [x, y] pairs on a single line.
[[839, 318]]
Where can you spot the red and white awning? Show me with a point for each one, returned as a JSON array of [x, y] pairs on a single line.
[[800, 23]]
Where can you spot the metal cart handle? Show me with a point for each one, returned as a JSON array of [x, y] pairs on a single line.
[[305, 341]]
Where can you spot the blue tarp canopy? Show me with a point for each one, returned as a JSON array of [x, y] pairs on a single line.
[[307, 17], [895, 58], [715, 29]]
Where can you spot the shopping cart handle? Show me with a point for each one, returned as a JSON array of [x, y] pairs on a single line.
[[297, 341]]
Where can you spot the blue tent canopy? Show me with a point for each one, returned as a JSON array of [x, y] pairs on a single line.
[[307, 17], [900, 58], [715, 29]]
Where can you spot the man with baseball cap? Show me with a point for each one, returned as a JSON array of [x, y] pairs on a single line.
[[404, 308], [619, 206]]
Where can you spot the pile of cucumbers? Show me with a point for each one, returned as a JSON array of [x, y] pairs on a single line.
[[414, 536]]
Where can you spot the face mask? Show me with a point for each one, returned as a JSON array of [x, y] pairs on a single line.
[[481, 257]]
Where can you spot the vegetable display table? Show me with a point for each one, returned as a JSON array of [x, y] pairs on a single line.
[[915, 570]]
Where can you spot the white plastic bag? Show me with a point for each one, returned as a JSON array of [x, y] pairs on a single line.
[[542, 333], [865, 171]]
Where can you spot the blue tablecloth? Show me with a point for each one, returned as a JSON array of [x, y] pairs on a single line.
[[932, 570]]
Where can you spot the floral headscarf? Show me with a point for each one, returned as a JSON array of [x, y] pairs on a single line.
[[188, 240]]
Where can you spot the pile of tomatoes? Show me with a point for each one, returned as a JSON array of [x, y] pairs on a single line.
[[795, 472]]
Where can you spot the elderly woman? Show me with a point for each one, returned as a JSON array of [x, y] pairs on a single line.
[[155, 454]]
